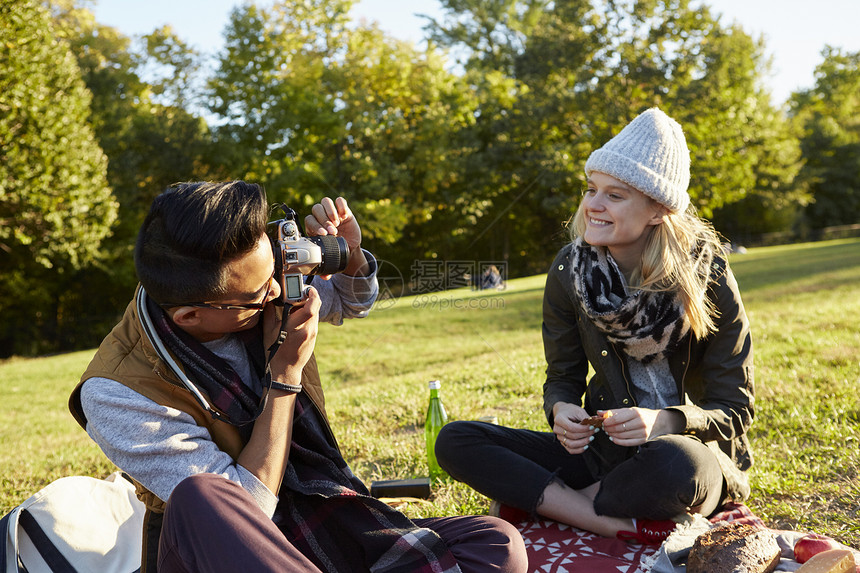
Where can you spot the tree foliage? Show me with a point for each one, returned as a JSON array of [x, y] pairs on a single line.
[[577, 72], [140, 91], [150, 144], [55, 203], [829, 117], [312, 108]]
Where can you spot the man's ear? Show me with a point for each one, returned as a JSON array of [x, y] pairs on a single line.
[[185, 316]]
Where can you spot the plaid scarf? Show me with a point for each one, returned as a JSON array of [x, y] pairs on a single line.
[[213, 375], [324, 510], [644, 325]]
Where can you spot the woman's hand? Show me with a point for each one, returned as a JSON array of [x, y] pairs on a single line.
[[573, 436], [635, 426]]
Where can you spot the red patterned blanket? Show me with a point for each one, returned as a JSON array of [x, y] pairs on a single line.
[[557, 548]]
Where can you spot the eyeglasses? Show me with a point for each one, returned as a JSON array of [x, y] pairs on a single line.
[[249, 306]]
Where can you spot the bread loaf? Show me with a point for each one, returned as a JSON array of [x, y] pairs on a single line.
[[734, 547], [830, 561]]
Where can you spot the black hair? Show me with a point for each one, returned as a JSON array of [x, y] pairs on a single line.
[[191, 231]]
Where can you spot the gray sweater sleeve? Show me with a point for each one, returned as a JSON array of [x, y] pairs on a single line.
[[159, 446]]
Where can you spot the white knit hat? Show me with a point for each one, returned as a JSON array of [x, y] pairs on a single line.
[[651, 155]]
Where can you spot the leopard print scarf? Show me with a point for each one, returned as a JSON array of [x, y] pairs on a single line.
[[646, 326]]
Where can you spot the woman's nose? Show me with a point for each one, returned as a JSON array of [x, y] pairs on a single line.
[[596, 201]]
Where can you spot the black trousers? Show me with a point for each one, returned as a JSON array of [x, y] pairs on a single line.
[[667, 476]]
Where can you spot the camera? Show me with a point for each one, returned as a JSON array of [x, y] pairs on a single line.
[[296, 255]]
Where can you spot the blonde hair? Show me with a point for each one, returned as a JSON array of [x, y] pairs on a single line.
[[677, 258]]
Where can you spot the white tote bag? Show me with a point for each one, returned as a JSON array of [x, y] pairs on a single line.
[[76, 524]]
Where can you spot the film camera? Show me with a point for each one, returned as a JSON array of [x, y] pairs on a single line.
[[296, 255]]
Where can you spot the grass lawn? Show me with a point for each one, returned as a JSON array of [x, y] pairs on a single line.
[[803, 302]]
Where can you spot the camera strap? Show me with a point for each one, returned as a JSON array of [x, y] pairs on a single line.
[[161, 349], [282, 336]]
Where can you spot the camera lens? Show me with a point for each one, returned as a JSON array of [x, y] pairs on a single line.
[[335, 254]]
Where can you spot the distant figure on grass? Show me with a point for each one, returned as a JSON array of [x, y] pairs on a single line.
[[644, 295], [224, 432], [490, 278]]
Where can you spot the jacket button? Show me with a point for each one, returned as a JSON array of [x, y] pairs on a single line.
[[625, 401], [604, 353], [561, 267]]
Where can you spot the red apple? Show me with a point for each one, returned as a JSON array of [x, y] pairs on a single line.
[[812, 544]]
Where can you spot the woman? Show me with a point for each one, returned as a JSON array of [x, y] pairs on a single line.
[[644, 296]]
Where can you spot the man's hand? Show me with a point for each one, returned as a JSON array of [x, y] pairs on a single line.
[[335, 218], [573, 436], [268, 450], [296, 350]]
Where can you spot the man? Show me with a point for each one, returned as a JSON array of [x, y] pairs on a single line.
[[224, 430]]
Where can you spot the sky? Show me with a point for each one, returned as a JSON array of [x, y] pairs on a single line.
[[795, 31]]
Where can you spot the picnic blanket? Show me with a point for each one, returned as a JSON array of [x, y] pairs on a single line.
[[554, 547]]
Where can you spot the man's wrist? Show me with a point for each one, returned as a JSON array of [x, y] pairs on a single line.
[[294, 388], [358, 265], [287, 378]]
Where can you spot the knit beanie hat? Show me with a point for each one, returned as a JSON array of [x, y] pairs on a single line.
[[651, 155]]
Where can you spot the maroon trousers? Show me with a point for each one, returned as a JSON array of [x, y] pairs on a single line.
[[212, 524]]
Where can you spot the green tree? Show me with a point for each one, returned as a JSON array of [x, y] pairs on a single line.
[[489, 34], [272, 93], [149, 144], [55, 204], [141, 92], [745, 153], [311, 107], [397, 148], [829, 116], [520, 174], [172, 69], [581, 70]]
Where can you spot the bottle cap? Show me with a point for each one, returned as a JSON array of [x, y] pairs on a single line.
[[434, 384]]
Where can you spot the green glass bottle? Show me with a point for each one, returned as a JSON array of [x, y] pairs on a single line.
[[436, 418]]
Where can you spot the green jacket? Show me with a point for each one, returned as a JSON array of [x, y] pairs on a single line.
[[714, 375]]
